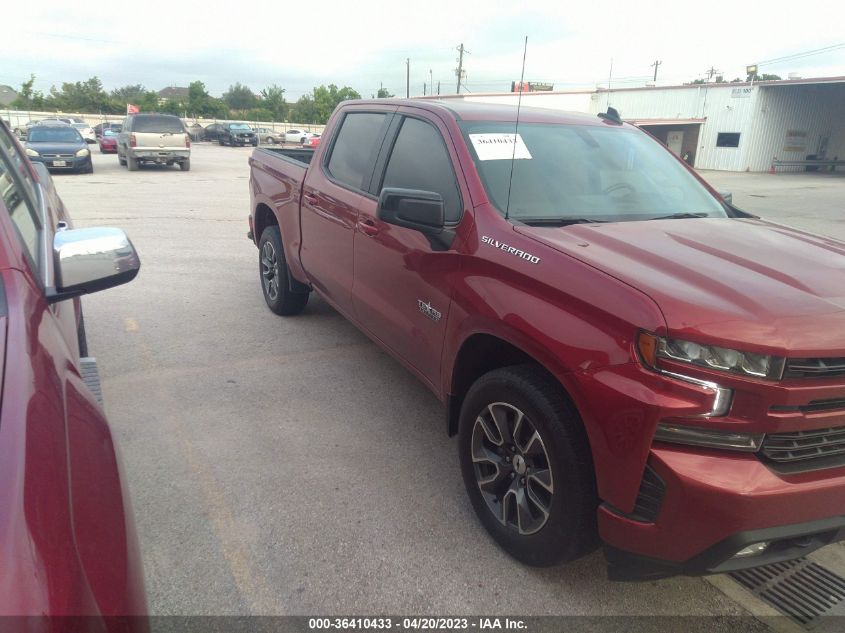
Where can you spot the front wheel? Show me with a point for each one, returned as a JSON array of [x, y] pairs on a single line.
[[275, 277], [527, 466], [185, 165]]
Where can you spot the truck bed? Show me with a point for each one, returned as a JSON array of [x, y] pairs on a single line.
[[299, 155]]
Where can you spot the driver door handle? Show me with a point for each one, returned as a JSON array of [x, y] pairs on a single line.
[[312, 200], [368, 227]]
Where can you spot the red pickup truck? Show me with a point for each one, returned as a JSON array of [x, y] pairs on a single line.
[[67, 538], [625, 357]]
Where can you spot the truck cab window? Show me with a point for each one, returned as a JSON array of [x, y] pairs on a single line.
[[420, 161], [354, 149]]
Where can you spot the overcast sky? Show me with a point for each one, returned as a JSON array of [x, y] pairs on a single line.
[[362, 43]]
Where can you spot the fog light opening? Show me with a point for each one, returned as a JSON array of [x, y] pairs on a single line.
[[753, 550]]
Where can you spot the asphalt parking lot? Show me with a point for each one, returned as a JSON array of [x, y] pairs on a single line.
[[289, 466]]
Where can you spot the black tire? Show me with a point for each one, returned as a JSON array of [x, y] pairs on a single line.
[[121, 160], [88, 169], [220, 140], [132, 163], [185, 165], [567, 526], [80, 335], [272, 266], [255, 144]]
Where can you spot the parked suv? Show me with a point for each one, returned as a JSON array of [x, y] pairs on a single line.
[[154, 138], [237, 134]]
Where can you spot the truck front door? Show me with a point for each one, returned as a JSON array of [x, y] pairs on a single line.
[[401, 291]]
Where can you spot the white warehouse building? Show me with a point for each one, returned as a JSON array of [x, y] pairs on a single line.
[[727, 126]]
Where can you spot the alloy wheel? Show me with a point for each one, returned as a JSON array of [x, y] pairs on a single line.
[[270, 270], [512, 468]]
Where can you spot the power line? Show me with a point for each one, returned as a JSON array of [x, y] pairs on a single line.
[[817, 51]]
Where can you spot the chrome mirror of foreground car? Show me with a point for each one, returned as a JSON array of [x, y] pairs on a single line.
[[90, 260]]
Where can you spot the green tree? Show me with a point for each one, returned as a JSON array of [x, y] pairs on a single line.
[[259, 114], [274, 101], [28, 98], [239, 97], [318, 106], [383, 93], [80, 96], [136, 94], [304, 110]]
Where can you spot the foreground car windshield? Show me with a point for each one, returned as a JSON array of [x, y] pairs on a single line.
[[238, 126], [584, 173], [54, 135]]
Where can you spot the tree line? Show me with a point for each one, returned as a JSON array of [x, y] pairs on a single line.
[[239, 102]]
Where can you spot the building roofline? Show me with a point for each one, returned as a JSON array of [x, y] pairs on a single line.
[[597, 90]]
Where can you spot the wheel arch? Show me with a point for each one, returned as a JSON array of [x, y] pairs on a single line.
[[264, 217], [479, 354]]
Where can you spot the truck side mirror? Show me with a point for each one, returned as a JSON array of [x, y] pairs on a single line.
[[89, 260], [422, 211], [419, 210]]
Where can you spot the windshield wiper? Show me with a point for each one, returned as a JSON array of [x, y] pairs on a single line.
[[681, 216], [557, 221]]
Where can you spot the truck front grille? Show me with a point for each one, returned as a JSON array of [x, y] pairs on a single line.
[[814, 367], [819, 448]]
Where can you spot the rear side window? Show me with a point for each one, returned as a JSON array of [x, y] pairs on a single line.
[[354, 149], [420, 161], [155, 123]]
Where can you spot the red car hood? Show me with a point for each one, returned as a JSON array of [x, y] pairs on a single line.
[[747, 284]]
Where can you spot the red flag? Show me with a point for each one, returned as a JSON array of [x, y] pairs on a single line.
[[132, 109]]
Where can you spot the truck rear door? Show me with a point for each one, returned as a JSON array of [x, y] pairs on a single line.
[[401, 291], [334, 193]]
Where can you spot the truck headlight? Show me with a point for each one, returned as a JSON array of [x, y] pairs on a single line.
[[653, 347], [83, 152], [31, 152]]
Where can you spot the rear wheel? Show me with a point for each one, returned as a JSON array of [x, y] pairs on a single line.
[[527, 466], [220, 140], [132, 163], [275, 277], [185, 165]]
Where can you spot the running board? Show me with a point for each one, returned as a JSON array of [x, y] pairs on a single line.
[[88, 370]]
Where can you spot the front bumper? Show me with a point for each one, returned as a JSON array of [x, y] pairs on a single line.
[[715, 505], [709, 503], [70, 164]]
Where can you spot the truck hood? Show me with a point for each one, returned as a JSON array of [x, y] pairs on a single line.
[[742, 283]]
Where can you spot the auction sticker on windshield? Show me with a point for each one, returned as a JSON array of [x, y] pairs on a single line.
[[499, 146]]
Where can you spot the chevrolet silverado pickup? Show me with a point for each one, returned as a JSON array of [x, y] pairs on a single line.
[[626, 358], [67, 538]]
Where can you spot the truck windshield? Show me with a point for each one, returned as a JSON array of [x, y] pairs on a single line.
[[583, 173]]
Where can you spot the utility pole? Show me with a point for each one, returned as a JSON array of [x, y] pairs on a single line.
[[712, 72], [423, 89], [431, 80], [408, 78], [656, 64], [460, 69], [438, 86]]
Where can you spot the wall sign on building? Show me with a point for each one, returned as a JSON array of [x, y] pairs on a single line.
[[796, 141], [741, 93]]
